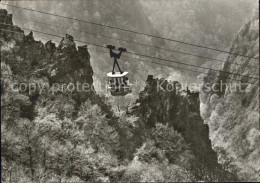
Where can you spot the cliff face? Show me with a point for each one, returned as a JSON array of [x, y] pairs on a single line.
[[233, 113]]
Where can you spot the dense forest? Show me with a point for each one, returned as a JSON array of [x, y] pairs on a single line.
[[49, 134]]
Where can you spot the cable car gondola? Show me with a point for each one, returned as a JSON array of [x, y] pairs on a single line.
[[118, 82]]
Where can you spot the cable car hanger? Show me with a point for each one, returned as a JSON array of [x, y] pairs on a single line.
[[118, 82], [116, 56]]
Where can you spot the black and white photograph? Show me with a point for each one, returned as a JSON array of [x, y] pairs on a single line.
[[129, 91]]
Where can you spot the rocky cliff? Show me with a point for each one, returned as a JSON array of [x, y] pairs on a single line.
[[232, 113], [64, 63], [166, 102]]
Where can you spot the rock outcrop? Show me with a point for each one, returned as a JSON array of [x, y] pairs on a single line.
[[232, 113], [29, 58]]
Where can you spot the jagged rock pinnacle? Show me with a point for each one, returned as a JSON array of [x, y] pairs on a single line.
[[29, 37], [50, 47], [67, 42]]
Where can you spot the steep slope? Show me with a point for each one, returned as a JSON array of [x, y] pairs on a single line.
[[232, 111]]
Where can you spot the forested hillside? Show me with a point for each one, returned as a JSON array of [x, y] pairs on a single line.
[[44, 134], [233, 112]]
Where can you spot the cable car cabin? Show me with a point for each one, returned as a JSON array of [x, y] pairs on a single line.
[[118, 84]]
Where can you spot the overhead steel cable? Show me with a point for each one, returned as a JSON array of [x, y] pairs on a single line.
[[201, 67], [157, 47], [138, 54], [147, 60], [177, 67], [131, 31]]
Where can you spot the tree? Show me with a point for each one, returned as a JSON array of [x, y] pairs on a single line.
[[164, 156], [165, 141]]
